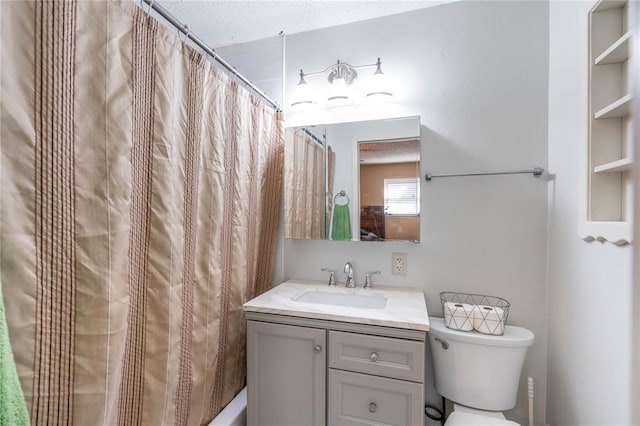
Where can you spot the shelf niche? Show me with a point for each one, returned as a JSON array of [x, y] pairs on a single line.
[[607, 210]]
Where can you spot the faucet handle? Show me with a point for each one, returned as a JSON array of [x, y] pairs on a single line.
[[367, 279], [332, 275]]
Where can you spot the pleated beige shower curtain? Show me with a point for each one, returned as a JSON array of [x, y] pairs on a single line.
[[304, 183], [139, 196]]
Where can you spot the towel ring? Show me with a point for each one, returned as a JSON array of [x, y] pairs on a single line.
[[342, 193]]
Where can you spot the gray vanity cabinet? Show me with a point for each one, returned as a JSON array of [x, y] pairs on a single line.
[[286, 366], [315, 372]]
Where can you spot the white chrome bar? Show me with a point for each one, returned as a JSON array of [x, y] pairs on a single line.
[[537, 172]]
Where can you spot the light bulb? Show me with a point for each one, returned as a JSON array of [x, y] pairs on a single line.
[[339, 93], [304, 95], [379, 90]]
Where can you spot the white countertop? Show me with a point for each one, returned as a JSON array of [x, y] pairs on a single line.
[[406, 307]]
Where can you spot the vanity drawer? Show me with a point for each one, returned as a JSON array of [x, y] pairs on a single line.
[[359, 399], [381, 356]]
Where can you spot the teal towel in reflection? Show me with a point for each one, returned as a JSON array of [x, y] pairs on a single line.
[[13, 409], [341, 223]]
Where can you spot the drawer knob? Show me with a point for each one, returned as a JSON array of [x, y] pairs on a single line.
[[373, 357], [373, 407], [317, 349]]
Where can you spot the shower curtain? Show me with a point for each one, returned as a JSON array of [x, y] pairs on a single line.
[[139, 195], [304, 182], [331, 176]]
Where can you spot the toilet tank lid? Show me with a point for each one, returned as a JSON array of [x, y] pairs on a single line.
[[513, 336]]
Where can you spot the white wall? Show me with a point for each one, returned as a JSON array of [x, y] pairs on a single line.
[[590, 287], [260, 61], [476, 73]]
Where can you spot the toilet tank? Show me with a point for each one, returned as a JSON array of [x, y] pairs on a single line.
[[478, 370]]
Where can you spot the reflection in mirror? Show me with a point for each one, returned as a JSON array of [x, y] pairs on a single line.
[[356, 181], [306, 186], [389, 190]]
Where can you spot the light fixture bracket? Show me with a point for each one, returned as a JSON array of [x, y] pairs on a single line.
[[344, 71]]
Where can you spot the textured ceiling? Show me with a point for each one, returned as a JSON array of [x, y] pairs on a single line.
[[390, 152], [220, 23]]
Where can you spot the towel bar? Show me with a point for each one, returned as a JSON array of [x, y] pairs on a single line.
[[537, 172]]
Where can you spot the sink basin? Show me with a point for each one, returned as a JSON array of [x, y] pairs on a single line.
[[352, 300]]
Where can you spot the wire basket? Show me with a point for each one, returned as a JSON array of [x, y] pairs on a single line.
[[474, 312]]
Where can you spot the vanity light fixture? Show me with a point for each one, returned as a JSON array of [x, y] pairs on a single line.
[[341, 77]]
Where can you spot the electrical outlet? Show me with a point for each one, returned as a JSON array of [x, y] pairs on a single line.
[[399, 263]]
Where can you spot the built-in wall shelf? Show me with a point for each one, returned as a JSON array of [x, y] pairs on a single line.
[[617, 109], [614, 166], [617, 52], [606, 208]]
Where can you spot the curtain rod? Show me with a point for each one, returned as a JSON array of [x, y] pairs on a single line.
[[537, 172], [210, 51], [312, 136]]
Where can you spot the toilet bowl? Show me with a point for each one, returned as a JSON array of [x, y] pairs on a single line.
[[479, 373]]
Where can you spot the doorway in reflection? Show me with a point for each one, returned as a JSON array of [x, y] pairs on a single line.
[[389, 190]]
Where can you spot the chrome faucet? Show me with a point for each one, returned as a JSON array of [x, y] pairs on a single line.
[[348, 269]]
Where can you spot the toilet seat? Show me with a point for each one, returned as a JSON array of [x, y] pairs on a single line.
[[459, 418], [467, 416]]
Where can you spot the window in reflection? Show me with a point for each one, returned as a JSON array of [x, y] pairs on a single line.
[[401, 196]]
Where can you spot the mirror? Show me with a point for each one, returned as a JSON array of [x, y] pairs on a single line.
[[356, 181]]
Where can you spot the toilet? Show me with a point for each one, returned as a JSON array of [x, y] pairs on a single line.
[[478, 373]]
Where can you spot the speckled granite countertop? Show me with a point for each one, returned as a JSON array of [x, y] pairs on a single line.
[[405, 308]]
